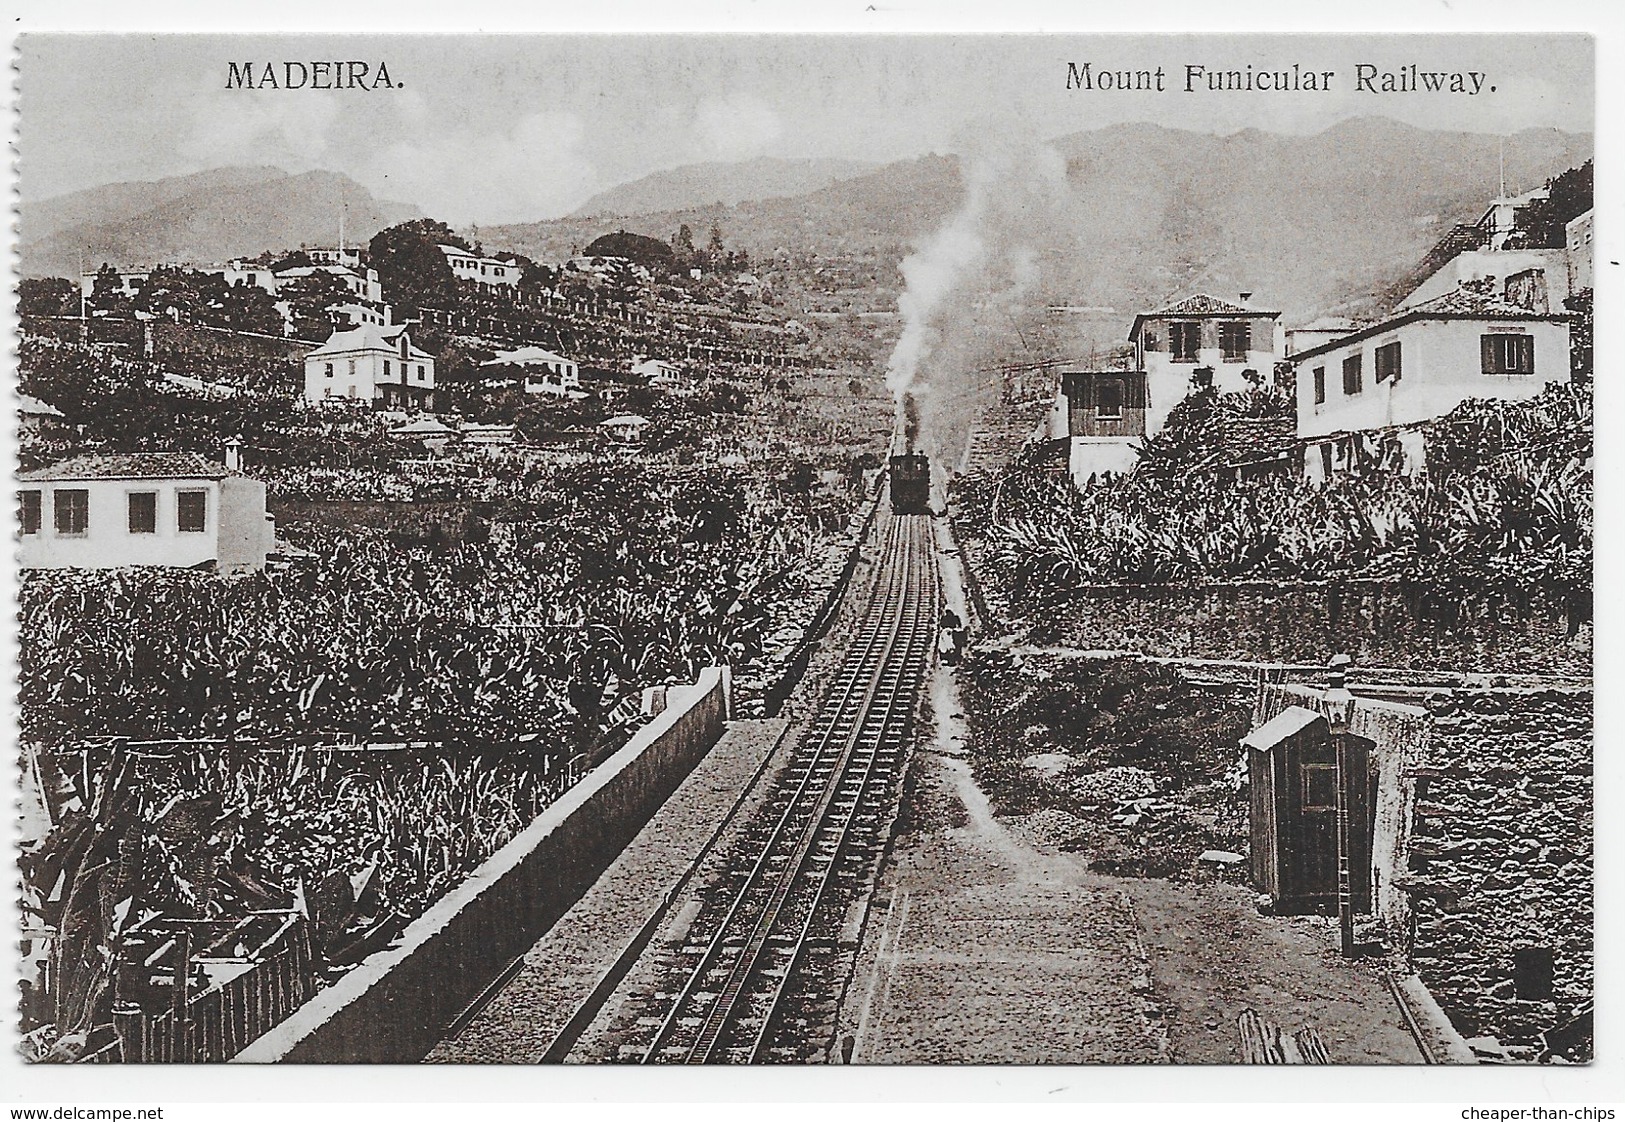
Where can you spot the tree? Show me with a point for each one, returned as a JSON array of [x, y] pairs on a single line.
[[683, 244], [652, 253], [172, 294], [47, 296], [107, 295], [298, 259], [311, 300], [248, 307], [411, 267]]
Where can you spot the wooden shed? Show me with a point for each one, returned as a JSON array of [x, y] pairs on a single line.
[[1292, 770]]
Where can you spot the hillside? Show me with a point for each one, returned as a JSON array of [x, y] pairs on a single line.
[[725, 184], [210, 216], [1307, 223]]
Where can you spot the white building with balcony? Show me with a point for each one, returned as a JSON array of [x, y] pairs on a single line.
[[377, 365]]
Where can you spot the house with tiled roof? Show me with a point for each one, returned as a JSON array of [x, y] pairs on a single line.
[[174, 509], [373, 363], [1201, 339], [1479, 341]]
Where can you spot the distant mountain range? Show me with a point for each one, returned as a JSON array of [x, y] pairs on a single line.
[[716, 184], [209, 216], [1309, 224]]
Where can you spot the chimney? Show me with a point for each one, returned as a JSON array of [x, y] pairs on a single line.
[[1246, 296], [234, 454]]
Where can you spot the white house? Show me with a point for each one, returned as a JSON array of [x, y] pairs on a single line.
[[129, 281], [1419, 364], [658, 372], [545, 372], [481, 270], [1237, 342], [1577, 249], [1550, 265], [362, 283], [624, 429], [348, 256], [377, 365], [176, 509], [36, 416]]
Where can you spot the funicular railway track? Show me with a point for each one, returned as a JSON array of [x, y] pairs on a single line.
[[742, 975]]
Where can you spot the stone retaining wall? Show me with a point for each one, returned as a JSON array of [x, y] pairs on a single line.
[[1501, 857], [1377, 623], [395, 1006]]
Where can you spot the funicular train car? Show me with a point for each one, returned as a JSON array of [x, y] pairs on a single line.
[[911, 483]]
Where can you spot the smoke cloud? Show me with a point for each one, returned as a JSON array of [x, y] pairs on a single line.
[[970, 286]]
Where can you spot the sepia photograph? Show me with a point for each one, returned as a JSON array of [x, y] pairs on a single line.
[[804, 549]]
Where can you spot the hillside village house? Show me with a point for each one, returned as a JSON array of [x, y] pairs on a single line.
[[481, 270], [544, 371], [1101, 416], [348, 256], [657, 372], [37, 417], [1578, 252], [1203, 332], [362, 283], [175, 509], [1419, 364], [377, 365]]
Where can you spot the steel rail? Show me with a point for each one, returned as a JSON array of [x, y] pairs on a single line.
[[858, 671], [878, 674]]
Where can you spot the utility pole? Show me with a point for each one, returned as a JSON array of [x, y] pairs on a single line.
[[1339, 709]]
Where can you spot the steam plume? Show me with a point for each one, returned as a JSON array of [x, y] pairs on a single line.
[[967, 287]]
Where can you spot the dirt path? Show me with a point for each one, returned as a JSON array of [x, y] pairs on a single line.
[[981, 948]]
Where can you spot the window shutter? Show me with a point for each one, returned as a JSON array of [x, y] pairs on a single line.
[[1487, 351]]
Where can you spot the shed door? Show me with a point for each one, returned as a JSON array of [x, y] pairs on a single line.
[[1308, 835]]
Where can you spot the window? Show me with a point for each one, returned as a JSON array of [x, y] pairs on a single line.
[[1320, 385], [1387, 362], [386, 367], [1353, 376], [1185, 339], [191, 511], [1508, 354], [1532, 970], [28, 511], [1109, 398], [143, 512], [1233, 340], [421, 375], [1319, 787], [352, 368], [329, 369], [72, 509]]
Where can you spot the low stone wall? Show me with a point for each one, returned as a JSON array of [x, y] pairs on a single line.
[[395, 1006], [1377, 623], [1501, 858]]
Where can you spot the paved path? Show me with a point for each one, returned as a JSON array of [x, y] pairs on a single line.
[[565, 965]]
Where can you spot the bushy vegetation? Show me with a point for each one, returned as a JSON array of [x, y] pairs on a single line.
[[1503, 511], [620, 581], [1112, 730]]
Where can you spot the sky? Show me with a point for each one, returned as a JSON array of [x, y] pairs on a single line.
[[520, 128]]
